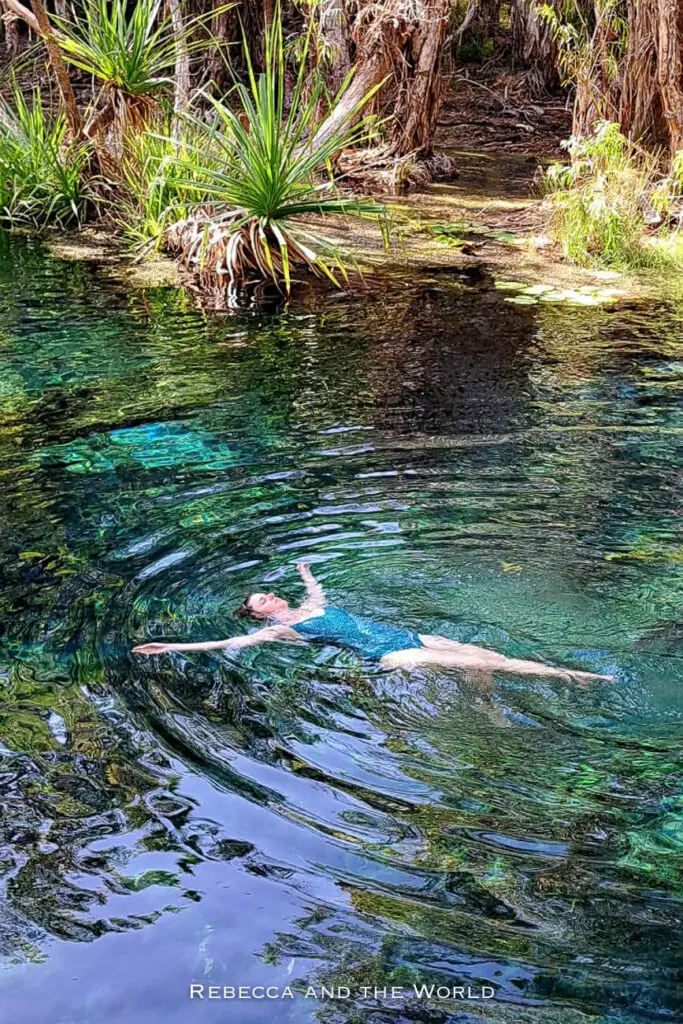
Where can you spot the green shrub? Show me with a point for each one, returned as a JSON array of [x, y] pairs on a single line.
[[158, 185], [475, 50], [43, 179], [599, 202]]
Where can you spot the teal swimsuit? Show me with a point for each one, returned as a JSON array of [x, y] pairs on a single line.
[[370, 639]]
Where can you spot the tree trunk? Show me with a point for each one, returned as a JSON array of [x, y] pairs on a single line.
[[481, 19], [73, 116], [596, 88], [407, 53], [640, 107], [334, 29], [641, 86], [533, 46], [254, 17], [18, 10], [220, 25], [181, 77], [419, 99], [363, 80], [11, 36], [670, 68]]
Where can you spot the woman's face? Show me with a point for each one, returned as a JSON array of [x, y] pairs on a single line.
[[265, 605]]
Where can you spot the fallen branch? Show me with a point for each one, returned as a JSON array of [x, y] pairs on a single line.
[[17, 10], [504, 104]]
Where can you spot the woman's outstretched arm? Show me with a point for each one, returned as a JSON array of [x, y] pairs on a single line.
[[269, 634], [315, 595]]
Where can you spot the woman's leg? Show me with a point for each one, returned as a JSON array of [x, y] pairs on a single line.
[[450, 654], [412, 657], [441, 643], [521, 667]]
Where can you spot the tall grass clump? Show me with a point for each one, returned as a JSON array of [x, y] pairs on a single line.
[[43, 177], [160, 184], [266, 174], [600, 211]]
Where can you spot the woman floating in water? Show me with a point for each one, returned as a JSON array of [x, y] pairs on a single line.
[[315, 620]]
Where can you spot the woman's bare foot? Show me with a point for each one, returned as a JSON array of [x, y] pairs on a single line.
[[584, 678]]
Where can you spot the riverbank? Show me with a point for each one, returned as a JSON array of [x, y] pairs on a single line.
[[489, 225], [492, 215]]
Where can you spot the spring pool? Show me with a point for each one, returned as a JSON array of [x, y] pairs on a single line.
[[448, 461]]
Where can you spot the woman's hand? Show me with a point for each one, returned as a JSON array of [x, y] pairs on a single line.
[[314, 592], [152, 648]]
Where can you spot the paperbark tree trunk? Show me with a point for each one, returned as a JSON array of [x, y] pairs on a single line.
[[420, 87], [11, 36], [670, 68], [407, 53], [364, 79], [533, 46], [334, 29], [640, 107], [596, 98], [637, 82], [220, 26], [181, 77]]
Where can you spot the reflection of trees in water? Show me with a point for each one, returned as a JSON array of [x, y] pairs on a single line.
[[448, 358], [89, 785], [604, 390], [69, 779], [87, 796]]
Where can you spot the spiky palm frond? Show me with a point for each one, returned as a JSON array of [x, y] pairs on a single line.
[[128, 47], [131, 51]]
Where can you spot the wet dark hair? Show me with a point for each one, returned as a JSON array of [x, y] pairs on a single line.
[[245, 610]]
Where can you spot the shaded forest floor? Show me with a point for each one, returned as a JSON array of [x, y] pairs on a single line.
[[491, 110], [492, 215], [490, 222]]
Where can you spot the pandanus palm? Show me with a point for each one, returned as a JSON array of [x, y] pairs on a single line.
[[271, 175], [131, 51]]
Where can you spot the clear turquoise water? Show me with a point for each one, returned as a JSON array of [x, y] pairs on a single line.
[[447, 462]]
